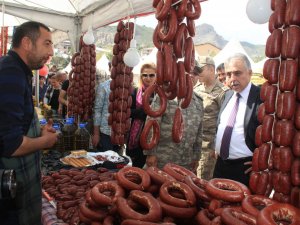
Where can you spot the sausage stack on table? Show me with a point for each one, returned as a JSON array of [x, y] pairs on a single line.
[[173, 195]]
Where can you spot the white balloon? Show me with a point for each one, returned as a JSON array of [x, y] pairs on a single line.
[[131, 57], [88, 37], [259, 11]]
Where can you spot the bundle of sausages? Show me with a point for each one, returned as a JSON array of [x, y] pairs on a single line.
[[121, 85], [173, 195], [175, 60], [81, 91], [69, 188], [276, 161]]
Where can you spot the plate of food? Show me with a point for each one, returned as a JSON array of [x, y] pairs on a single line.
[[79, 158]]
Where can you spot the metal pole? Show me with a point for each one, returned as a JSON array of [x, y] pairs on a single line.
[[37, 88]]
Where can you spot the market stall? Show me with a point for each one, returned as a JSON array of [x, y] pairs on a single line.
[[173, 194]]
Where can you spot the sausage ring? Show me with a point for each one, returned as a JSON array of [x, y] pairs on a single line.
[[279, 212], [189, 89], [198, 186], [178, 172], [166, 196], [95, 214], [181, 91], [204, 217], [189, 55], [162, 9], [106, 186], [158, 176], [197, 10], [145, 133], [251, 203], [177, 212], [147, 200], [225, 189], [146, 100], [168, 63], [178, 126], [167, 28], [155, 38], [232, 217], [123, 177], [138, 222], [179, 40]]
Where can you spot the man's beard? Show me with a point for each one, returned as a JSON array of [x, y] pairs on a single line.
[[34, 63]]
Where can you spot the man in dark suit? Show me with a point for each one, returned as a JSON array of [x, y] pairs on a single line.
[[238, 114]]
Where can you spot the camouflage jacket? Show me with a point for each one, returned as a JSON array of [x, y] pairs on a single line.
[[212, 101], [188, 151]]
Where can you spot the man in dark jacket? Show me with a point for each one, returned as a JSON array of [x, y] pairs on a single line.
[[237, 122], [20, 135]]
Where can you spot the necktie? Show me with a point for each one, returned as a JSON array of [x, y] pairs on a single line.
[[224, 151]]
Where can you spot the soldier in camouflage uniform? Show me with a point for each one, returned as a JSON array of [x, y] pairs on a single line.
[[187, 152], [212, 93]]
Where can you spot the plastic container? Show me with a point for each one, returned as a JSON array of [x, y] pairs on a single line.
[[59, 145], [68, 132], [82, 138]]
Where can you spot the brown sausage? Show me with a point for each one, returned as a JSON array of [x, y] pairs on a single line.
[[150, 124], [178, 126]]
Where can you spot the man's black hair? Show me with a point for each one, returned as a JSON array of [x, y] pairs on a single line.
[[29, 29]]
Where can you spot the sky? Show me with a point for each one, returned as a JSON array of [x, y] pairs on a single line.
[[229, 19]]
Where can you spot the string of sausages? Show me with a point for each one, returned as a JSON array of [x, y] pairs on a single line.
[[276, 161], [81, 91], [120, 99], [175, 59], [173, 195]]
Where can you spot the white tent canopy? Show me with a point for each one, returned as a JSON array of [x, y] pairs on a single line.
[[259, 66], [233, 46], [75, 16], [151, 58], [102, 64]]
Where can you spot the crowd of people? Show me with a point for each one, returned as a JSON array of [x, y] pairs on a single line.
[[219, 124]]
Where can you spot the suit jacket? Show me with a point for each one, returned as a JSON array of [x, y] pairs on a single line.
[[250, 119]]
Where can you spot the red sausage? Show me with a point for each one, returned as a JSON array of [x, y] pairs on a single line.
[[123, 178], [146, 101], [145, 133], [147, 200], [189, 196], [158, 176], [178, 126]]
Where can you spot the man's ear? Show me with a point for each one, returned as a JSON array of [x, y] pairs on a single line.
[[26, 43], [250, 72]]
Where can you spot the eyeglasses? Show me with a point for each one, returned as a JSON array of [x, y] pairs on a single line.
[[144, 75]]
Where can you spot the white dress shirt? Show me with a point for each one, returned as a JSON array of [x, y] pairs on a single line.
[[238, 147]]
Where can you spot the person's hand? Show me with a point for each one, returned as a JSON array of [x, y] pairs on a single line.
[[151, 160], [250, 168], [49, 134], [49, 127], [95, 140]]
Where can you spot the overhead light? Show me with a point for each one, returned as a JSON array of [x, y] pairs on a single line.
[[132, 57], [88, 37], [259, 11]]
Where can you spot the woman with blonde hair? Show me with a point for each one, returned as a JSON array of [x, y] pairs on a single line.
[[138, 116]]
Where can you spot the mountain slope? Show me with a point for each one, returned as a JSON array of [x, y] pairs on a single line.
[[205, 33]]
